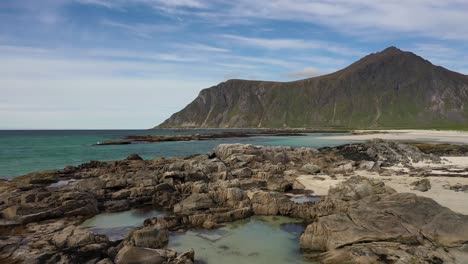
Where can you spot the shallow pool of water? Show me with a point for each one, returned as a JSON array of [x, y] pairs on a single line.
[[117, 225], [257, 240], [303, 199]]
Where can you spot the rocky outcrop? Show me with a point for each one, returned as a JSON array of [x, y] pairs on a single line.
[[372, 222], [382, 153], [359, 220]]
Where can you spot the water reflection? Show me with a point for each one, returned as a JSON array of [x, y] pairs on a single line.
[[117, 225], [260, 239]]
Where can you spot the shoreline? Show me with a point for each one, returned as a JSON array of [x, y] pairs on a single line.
[[413, 135], [42, 213]]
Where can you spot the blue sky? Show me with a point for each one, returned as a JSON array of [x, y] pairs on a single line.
[[132, 63]]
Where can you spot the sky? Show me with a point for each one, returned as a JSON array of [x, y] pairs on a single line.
[[130, 64]]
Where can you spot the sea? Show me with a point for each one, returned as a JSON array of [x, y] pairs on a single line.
[[26, 151]]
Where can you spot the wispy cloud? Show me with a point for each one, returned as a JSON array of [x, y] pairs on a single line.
[[142, 30], [278, 44], [304, 73], [201, 47], [157, 4]]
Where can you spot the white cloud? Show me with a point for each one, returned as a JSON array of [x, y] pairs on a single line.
[[147, 31], [439, 19], [184, 3], [434, 49], [157, 4], [201, 47], [278, 44], [304, 73]]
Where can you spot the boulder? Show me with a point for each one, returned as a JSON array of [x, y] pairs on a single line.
[[138, 255], [193, 203], [279, 185], [242, 173], [310, 168], [423, 185], [155, 236], [271, 203], [134, 156], [73, 236]]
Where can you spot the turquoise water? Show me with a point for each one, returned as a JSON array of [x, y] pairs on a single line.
[[117, 225], [26, 151], [260, 239]]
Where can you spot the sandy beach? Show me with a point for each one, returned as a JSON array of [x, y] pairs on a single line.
[[436, 136], [399, 178]]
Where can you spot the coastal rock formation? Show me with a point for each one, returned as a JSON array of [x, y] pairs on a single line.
[[391, 88], [359, 220], [365, 218]]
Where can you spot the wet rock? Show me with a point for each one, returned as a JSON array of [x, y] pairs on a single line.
[[423, 185], [185, 258]]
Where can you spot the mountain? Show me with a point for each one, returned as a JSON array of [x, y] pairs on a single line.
[[387, 89]]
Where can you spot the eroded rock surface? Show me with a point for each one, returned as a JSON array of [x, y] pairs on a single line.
[[366, 219], [359, 220]]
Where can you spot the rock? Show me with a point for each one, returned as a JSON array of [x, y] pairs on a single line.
[[423, 185], [357, 188], [164, 187], [155, 236], [271, 203], [121, 194], [200, 187], [138, 255], [116, 206], [347, 167], [458, 187], [105, 261], [93, 185], [366, 165], [210, 225], [72, 237], [310, 168], [193, 203], [242, 173], [185, 258], [359, 214], [134, 156], [279, 185], [386, 152], [44, 177]]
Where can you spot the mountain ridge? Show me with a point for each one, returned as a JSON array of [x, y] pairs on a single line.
[[390, 88]]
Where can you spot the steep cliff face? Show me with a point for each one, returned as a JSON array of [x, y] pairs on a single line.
[[388, 89]]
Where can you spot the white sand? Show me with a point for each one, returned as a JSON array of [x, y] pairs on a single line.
[[452, 171], [456, 201], [459, 137]]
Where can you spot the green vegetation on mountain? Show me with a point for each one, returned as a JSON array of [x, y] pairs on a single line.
[[388, 89]]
